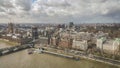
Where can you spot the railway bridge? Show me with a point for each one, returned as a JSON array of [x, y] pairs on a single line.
[[9, 50]]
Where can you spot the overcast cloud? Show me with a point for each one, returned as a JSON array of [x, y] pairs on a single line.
[[60, 11]]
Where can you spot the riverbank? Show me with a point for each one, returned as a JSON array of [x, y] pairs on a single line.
[[84, 56]]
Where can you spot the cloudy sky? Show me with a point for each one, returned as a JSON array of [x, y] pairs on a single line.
[[60, 11]]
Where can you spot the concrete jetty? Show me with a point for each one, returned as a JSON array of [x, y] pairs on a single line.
[[62, 55]]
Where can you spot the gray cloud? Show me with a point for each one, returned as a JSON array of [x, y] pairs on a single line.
[[24, 4], [6, 3], [1, 9], [61, 11]]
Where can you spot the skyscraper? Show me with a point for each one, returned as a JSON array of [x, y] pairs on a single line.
[[10, 27], [34, 32]]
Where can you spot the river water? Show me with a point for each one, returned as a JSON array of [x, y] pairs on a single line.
[[4, 45], [22, 59]]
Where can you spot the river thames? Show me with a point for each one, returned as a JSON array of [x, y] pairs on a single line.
[[22, 59]]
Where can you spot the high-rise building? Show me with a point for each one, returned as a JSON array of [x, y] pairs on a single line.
[[10, 27], [34, 32], [71, 24]]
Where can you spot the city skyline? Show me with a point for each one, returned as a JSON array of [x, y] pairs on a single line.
[[62, 11]]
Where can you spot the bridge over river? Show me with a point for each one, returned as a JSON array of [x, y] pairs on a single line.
[[9, 50]]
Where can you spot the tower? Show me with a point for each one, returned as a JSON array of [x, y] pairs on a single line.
[[10, 27], [34, 32], [71, 24]]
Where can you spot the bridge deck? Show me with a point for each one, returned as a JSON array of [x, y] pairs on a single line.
[[13, 49]]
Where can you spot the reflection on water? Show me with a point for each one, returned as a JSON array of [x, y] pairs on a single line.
[[21, 59]]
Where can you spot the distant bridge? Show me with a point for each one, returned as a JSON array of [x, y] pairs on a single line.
[[9, 50], [14, 49]]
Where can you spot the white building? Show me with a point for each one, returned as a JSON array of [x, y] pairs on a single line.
[[108, 46], [84, 35], [82, 45]]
